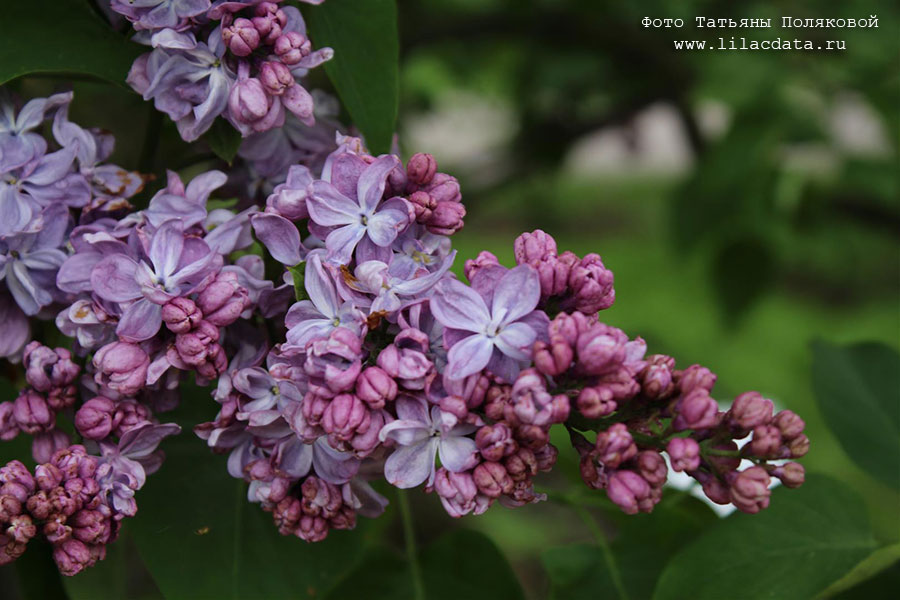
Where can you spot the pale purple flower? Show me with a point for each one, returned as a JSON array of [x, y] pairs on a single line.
[[388, 283], [324, 311], [15, 330], [499, 338], [360, 217], [18, 144], [159, 14], [421, 434], [177, 265]]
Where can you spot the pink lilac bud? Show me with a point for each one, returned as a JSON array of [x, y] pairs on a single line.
[[791, 474], [484, 259], [790, 424], [275, 77], [595, 402], [546, 457], [684, 454], [750, 490], [456, 490], [46, 368], [521, 464], [335, 362], [798, 446], [47, 476], [313, 408], [495, 441], [532, 404], [94, 420], [652, 467], [407, 359], [615, 446], [32, 412], [291, 47], [696, 410], [423, 205], [90, 527], [716, 491], [129, 415], [454, 405], [269, 21], [248, 101], [492, 479], [656, 378], [61, 398], [750, 410], [121, 368], [591, 285], [766, 442], [553, 275], [9, 507], [446, 218], [694, 377], [496, 401], [554, 358], [346, 416], [727, 459], [444, 188], [9, 429], [241, 37], [297, 100], [628, 490], [534, 247], [601, 349], [223, 300], [181, 315], [194, 346], [16, 480], [421, 168], [21, 528], [45, 445], [72, 556], [375, 387], [532, 437]]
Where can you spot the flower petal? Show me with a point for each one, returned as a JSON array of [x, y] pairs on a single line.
[[409, 466], [458, 306], [469, 356], [456, 452], [113, 279], [279, 236], [342, 241], [140, 321], [370, 187], [516, 295], [330, 208], [515, 340]]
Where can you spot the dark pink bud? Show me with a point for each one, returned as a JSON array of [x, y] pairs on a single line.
[[553, 358], [750, 490], [532, 437], [194, 346], [595, 402], [789, 423], [495, 441], [94, 420], [181, 315], [423, 205], [455, 406], [766, 442], [128, 415], [652, 467], [726, 461], [656, 378], [791, 474], [684, 454], [492, 479], [21, 528], [444, 188], [496, 401], [223, 300], [47, 368], [716, 491], [72, 556], [446, 218], [798, 446], [241, 37], [546, 457], [8, 426], [521, 464], [269, 21], [275, 77], [345, 416], [696, 376], [375, 387], [248, 101], [45, 445], [750, 410], [615, 446], [591, 285], [696, 410], [553, 274], [314, 408], [121, 368], [484, 259], [47, 476], [16, 480], [534, 247], [421, 168], [628, 490], [10, 506], [90, 526], [32, 412], [291, 47], [456, 490]]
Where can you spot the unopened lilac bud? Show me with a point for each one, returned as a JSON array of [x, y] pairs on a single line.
[[789, 423], [446, 218], [696, 376], [241, 37], [297, 100], [750, 490], [16, 480], [248, 101], [627, 489], [716, 491], [521, 464], [8, 426], [798, 446], [275, 77], [492, 479], [455, 406], [791, 474], [595, 402], [21, 528], [129, 415], [652, 467], [312, 529], [72, 556], [750, 410], [656, 378], [444, 188], [94, 420], [532, 437], [423, 204], [47, 476], [421, 168], [553, 275], [32, 412], [269, 21], [725, 456], [223, 300], [684, 454], [615, 446], [291, 47], [10, 506], [48, 368], [121, 368], [495, 441], [181, 315], [546, 457], [496, 401], [696, 410], [484, 259], [90, 526], [554, 358], [591, 285], [193, 347], [457, 491], [765, 442], [534, 247], [345, 416], [375, 387]]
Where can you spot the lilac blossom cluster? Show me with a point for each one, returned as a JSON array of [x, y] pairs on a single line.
[[239, 59]]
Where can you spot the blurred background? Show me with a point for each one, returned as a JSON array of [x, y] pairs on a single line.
[[747, 201]]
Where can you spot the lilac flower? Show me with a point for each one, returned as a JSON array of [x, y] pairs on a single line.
[[15, 330], [177, 201], [421, 434], [159, 14], [360, 217], [18, 145], [315, 318], [389, 283], [29, 261], [499, 338], [177, 266]]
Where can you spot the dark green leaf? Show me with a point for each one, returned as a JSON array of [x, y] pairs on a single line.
[[364, 69], [858, 389], [298, 272], [34, 573], [806, 540], [200, 537], [223, 139], [467, 564], [383, 575], [61, 36], [877, 562], [743, 270]]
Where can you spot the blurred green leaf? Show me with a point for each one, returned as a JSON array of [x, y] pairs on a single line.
[[61, 36], [108, 578], [807, 539], [223, 139], [743, 271], [35, 574], [298, 273], [364, 69], [858, 390], [877, 562], [200, 537]]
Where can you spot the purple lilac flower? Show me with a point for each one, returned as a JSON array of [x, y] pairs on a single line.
[[18, 144], [388, 283], [160, 14]]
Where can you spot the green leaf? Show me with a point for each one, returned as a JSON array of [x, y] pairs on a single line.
[[742, 271], [34, 574], [298, 272], [199, 536], [880, 560], [61, 36], [223, 139], [858, 390], [807, 539], [364, 69]]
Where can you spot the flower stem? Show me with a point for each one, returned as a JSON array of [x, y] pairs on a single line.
[[608, 556], [409, 538]]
